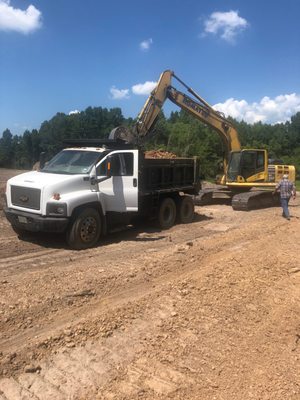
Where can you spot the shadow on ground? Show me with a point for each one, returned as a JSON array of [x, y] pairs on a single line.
[[119, 234]]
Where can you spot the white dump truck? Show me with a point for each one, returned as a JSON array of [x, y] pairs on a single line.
[[93, 185]]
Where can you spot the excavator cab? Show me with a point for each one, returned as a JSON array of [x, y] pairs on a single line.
[[247, 166]]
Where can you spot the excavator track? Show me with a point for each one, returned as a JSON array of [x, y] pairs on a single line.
[[254, 200], [245, 201]]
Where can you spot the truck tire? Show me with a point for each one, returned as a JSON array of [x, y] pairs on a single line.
[[186, 210], [85, 229], [167, 213]]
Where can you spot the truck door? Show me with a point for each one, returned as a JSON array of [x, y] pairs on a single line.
[[120, 191]]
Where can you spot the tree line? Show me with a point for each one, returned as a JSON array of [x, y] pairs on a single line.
[[179, 133]]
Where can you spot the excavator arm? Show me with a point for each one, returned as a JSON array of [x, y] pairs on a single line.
[[206, 114], [149, 113], [197, 107]]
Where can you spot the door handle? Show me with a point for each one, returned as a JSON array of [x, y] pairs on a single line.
[[134, 182]]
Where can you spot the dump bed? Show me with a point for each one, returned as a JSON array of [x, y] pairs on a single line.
[[168, 175]]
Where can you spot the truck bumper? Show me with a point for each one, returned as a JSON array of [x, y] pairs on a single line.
[[35, 223]]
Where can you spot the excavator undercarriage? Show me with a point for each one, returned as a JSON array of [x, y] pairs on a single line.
[[243, 201]]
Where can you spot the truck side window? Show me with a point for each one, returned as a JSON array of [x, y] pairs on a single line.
[[128, 162], [123, 165]]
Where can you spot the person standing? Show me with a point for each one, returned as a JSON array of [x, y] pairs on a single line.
[[287, 190]]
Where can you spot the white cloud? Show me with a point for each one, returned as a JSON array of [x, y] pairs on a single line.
[[118, 94], [21, 126], [226, 24], [145, 44], [74, 112], [15, 19], [143, 88], [267, 110]]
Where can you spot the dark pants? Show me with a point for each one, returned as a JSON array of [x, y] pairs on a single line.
[[285, 206]]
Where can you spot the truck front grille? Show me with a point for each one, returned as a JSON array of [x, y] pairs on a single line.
[[26, 197]]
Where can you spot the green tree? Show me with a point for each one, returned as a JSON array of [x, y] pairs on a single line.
[[6, 149]]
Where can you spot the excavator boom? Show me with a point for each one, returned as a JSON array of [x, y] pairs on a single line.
[[199, 108], [206, 114]]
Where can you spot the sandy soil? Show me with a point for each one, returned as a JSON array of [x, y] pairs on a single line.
[[209, 310]]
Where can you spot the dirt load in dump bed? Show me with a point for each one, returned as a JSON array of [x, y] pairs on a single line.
[[208, 310], [159, 154]]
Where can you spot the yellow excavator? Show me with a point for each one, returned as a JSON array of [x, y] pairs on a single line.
[[248, 178]]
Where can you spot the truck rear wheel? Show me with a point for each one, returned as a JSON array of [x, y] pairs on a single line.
[[85, 229], [167, 213], [186, 210]]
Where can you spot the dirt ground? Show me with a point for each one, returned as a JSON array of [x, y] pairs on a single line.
[[209, 310]]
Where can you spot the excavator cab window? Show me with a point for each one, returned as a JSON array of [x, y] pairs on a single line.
[[252, 162], [245, 163], [260, 160], [234, 165], [248, 164]]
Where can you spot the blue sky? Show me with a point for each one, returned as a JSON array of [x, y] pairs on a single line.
[[243, 57]]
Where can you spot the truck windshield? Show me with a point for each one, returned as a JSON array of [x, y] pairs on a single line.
[[72, 162]]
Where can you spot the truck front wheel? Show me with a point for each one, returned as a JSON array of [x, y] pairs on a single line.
[[186, 210], [85, 229], [167, 213]]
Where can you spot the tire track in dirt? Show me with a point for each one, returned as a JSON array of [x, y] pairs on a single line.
[[20, 260], [113, 301], [34, 256], [158, 334], [162, 382], [121, 366], [133, 292], [136, 293], [96, 363]]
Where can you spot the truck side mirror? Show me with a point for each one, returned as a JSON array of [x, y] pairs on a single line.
[[112, 165], [109, 166]]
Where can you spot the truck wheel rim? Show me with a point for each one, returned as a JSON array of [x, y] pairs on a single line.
[[88, 229]]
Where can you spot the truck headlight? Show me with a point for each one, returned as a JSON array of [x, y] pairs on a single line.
[[56, 209]]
